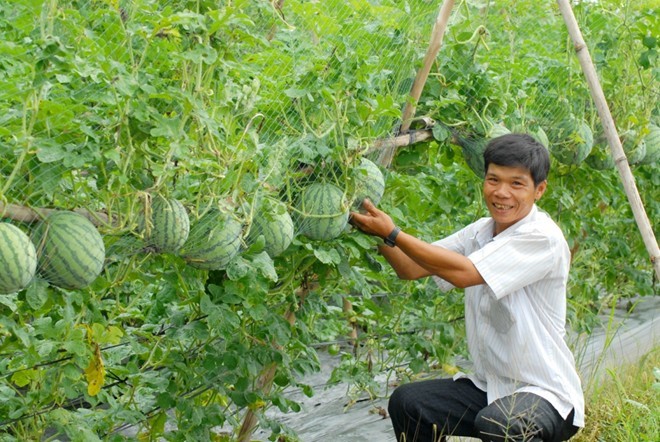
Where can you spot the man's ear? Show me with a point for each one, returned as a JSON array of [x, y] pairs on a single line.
[[540, 189]]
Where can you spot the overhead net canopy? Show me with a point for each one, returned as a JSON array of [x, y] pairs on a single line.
[[104, 100]]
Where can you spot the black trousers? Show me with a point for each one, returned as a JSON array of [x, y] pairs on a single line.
[[426, 411]]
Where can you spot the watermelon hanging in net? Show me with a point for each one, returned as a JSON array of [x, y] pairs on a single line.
[[323, 211], [214, 240], [18, 259], [70, 251], [164, 224], [369, 182], [274, 223], [652, 141], [571, 141]]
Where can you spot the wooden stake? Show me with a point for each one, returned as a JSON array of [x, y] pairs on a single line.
[[614, 142], [417, 136], [32, 214], [265, 381], [437, 34], [348, 311]]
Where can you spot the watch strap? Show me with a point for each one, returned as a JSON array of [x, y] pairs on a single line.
[[390, 239]]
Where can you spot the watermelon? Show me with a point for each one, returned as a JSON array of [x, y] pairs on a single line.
[[70, 251], [167, 225], [369, 183], [600, 157], [652, 141], [634, 146], [473, 147], [214, 240], [497, 130], [572, 141], [18, 259], [274, 223], [323, 211]]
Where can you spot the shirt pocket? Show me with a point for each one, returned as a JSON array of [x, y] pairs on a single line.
[[496, 313]]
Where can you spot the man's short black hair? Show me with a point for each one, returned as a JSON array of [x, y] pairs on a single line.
[[519, 150]]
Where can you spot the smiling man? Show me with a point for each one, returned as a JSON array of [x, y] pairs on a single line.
[[514, 267]]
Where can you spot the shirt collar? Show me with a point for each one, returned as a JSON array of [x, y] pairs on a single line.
[[485, 234]]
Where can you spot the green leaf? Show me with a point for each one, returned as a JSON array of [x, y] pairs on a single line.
[[327, 256], [264, 263], [36, 294]]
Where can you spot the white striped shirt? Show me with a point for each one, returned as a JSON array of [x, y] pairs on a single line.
[[515, 323]]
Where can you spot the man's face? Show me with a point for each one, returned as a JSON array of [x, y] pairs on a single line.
[[510, 194]]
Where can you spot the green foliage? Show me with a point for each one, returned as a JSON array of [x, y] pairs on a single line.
[[221, 105]]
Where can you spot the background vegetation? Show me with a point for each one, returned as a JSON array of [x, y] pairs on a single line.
[[223, 103]]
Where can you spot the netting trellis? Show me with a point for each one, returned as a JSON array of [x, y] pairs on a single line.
[[104, 103]]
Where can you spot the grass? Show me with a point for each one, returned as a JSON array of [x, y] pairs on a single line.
[[626, 405]]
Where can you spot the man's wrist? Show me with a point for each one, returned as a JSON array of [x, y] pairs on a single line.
[[390, 239]]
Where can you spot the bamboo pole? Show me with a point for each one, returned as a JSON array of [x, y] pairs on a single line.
[[437, 34], [417, 136], [32, 214], [614, 142]]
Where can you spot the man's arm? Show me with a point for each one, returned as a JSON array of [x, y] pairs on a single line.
[[413, 258], [402, 264]]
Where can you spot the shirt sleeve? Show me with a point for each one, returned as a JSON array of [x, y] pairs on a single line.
[[511, 263], [455, 243]]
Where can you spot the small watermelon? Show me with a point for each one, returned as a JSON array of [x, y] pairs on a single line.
[[369, 183], [535, 130], [18, 259], [539, 135], [473, 147], [167, 225], [600, 157], [652, 141], [70, 251], [497, 130], [572, 141], [274, 223], [323, 211], [634, 147], [214, 241]]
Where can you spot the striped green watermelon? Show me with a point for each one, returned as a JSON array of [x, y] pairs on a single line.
[[369, 183], [473, 146], [214, 241], [167, 225], [70, 250], [652, 141], [539, 135], [274, 223], [634, 147], [572, 141], [18, 259], [600, 157], [323, 211]]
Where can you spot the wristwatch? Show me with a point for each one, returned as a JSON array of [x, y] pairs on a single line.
[[390, 239]]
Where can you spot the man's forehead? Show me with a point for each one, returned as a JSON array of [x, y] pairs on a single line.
[[510, 171]]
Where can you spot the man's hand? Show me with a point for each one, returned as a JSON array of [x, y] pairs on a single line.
[[374, 222]]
